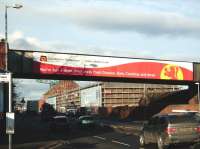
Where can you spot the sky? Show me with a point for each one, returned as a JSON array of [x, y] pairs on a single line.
[[161, 29]]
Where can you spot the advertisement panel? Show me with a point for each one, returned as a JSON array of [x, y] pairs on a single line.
[[91, 97], [10, 123], [99, 66]]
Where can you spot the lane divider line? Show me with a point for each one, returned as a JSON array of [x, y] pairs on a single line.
[[60, 144], [98, 137], [49, 145], [122, 143]]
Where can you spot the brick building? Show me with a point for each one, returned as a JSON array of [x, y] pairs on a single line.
[[56, 94], [68, 94]]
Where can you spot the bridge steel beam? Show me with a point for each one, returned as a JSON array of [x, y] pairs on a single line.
[[22, 65]]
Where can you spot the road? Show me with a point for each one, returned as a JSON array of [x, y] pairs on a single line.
[[109, 140], [31, 133], [113, 140]]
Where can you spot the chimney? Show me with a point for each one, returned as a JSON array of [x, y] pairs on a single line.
[[2, 54]]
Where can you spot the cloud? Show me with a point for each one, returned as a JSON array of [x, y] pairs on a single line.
[[148, 23], [18, 41], [30, 89], [136, 17]]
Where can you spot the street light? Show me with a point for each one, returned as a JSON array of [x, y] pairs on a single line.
[[198, 94], [16, 6]]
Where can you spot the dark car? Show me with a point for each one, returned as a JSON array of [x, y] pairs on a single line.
[[171, 129], [59, 123], [87, 121]]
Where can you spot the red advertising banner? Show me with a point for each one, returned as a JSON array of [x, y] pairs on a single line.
[[85, 65]]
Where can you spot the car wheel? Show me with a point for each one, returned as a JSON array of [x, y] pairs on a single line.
[[142, 140], [161, 144]]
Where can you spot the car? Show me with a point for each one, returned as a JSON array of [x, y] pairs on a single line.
[[59, 123], [170, 129], [71, 111], [86, 121]]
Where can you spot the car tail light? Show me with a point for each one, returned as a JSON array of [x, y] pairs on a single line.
[[170, 130], [198, 129]]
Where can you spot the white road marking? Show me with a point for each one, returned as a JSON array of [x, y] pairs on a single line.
[[128, 133], [48, 145], [98, 137], [129, 127], [122, 143], [62, 142]]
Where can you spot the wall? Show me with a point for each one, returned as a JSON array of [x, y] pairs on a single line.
[[59, 91], [1, 98], [2, 55]]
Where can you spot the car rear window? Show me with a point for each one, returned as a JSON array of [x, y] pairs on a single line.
[[182, 119]]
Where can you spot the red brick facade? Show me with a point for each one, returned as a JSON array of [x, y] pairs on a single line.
[[59, 88], [57, 91], [2, 55]]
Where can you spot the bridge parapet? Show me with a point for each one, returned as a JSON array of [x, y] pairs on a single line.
[[52, 65], [20, 62]]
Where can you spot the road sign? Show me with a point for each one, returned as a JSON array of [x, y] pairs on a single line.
[[4, 77], [10, 123]]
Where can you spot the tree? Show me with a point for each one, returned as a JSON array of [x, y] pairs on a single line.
[[14, 94], [23, 101]]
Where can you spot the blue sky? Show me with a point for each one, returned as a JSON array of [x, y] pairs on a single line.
[[163, 29]]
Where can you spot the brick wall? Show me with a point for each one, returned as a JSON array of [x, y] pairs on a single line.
[[59, 91], [2, 55]]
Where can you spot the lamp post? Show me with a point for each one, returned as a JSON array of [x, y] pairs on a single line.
[[16, 6], [198, 94]]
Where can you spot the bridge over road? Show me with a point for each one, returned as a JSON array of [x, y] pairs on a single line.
[[67, 66]]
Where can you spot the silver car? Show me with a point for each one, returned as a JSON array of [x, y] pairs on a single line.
[[171, 129]]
